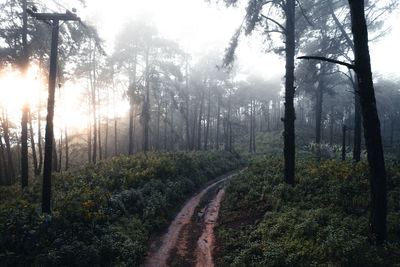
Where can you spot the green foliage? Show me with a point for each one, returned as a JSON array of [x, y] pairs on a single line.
[[323, 220], [103, 214]]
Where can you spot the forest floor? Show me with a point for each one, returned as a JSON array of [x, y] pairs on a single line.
[[189, 240]]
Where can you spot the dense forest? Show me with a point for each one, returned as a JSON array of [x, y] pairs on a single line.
[[244, 133]]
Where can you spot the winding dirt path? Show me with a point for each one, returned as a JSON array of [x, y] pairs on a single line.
[[190, 239]]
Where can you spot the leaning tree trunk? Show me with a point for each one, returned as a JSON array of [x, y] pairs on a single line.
[[372, 132], [289, 143]]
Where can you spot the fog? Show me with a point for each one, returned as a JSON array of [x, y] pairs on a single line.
[[150, 75]]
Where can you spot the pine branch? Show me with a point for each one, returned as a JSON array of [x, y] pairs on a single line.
[[274, 21], [350, 66]]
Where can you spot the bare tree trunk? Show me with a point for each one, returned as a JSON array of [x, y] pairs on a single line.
[[331, 124], [289, 141], [208, 121], [254, 126], [89, 142], [392, 124], [60, 149], [199, 121], [357, 124], [372, 132], [92, 76], [66, 148], [4, 171], [187, 113], [344, 142], [40, 141], [25, 109], [115, 137], [106, 139], [24, 146], [251, 128], [54, 155], [33, 148], [194, 127], [146, 107], [218, 123], [10, 164], [318, 108], [99, 127], [165, 130], [172, 141], [158, 126]]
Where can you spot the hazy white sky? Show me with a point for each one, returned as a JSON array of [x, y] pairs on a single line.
[[198, 26]]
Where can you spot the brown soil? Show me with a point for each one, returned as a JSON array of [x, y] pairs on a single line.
[[190, 238]]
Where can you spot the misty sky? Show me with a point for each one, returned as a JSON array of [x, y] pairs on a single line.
[[199, 26]]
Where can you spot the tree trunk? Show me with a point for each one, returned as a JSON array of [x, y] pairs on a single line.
[[289, 142], [10, 164], [25, 109], [172, 140], [66, 149], [208, 121], [60, 145], [4, 172], [146, 108], [372, 133], [199, 121], [99, 129], [54, 155], [254, 126], [318, 109], [158, 126], [392, 124], [92, 76], [331, 124], [89, 141], [344, 142], [24, 146], [115, 137], [106, 138], [165, 130], [40, 141], [251, 128], [218, 124], [357, 123], [33, 148]]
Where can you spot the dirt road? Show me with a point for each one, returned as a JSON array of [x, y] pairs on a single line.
[[190, 239]]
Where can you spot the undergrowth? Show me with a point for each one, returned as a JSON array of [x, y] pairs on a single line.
[[103, 214], [322, 221]]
